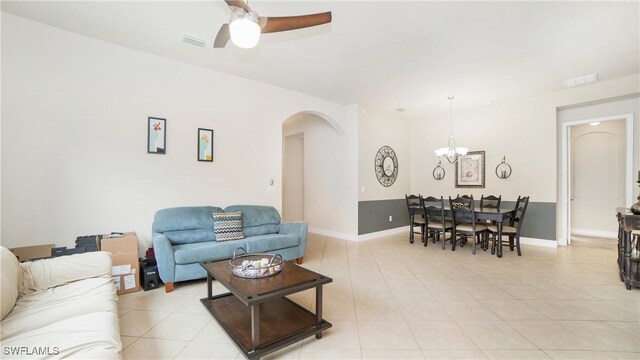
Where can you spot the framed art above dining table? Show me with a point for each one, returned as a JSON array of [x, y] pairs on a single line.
[[470, 170]]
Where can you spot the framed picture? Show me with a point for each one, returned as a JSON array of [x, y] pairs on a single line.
[[157, 136], [205, 144], [470, 170]]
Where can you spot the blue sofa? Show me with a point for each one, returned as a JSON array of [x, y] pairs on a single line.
[[184, 236]]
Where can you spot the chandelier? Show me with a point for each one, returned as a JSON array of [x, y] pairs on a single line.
[[452, 153]]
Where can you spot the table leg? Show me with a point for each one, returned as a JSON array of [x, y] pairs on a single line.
[[255, 325], [319, 309], [627, 259], [209, 286], [499, 225]]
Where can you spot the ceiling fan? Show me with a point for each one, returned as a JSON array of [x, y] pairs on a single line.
[[245, 26]]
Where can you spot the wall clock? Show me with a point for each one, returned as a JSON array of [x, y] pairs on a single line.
[[386, 166]]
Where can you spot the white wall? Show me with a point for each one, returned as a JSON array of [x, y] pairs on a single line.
[[74, 121], [598, 170], [523, 129], [293, 178], [377, 128], [330, 171]]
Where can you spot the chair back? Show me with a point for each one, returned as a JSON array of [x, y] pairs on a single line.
[[434, 208], [490, 201], [464, 196], [414, 205], [459, 207], [521, 209]]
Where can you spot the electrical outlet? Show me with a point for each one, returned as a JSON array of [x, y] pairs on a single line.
[[390, 218]]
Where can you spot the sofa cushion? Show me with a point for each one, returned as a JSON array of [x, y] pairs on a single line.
[[257, 220], [271, 242], [212, 250], [9, 280], [90, 336], [184, 218], [47, 307], [190, 236], [228, 226]]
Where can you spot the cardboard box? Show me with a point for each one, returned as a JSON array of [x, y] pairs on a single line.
[[124, 258], [28, 253]]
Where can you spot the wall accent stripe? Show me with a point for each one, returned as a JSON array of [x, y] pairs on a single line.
[[373, 216]]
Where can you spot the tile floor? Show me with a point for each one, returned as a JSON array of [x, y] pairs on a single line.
[[395, 300]]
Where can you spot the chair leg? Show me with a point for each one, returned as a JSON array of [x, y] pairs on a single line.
[[425, 239], [518, 245], [300, 260], [511, 242], [473, 250], [493, 244], [411, 232]]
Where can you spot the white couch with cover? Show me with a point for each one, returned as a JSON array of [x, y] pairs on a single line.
[[65, 307]]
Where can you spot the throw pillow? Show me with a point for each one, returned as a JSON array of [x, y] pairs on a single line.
[[228, 225], [458, 205]]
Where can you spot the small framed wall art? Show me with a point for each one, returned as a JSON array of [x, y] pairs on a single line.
[[470, 170], [205, 145], [157, 136]]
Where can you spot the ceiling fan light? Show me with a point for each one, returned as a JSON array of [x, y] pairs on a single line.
[[244, 29]]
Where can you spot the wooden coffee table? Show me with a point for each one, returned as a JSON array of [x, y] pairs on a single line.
[[256, 314]]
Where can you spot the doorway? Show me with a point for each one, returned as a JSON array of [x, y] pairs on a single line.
[[293, 178], [597, 157]]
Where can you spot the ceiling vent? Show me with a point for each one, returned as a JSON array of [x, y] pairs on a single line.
[[581, 80], [190, 39]]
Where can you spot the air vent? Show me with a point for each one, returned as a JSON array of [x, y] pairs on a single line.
[[190, 39], [581, 80]]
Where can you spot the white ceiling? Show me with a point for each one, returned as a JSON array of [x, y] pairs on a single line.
[[389, 54]]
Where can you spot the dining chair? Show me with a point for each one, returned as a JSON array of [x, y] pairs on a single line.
[[513, 229], [437, 224], [489, 202], [416, 215], [465, 223]]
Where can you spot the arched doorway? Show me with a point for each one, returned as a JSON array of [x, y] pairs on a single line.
[[312, 144]]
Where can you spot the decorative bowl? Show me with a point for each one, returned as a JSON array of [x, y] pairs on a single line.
[[255, 266]]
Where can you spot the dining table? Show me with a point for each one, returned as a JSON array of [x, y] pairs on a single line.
[[498, 215]]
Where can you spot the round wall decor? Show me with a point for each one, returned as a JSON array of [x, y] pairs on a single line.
[[386, 166]]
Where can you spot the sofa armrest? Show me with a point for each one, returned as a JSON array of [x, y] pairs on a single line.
[[164, 257], [48, 273], [296, 228]]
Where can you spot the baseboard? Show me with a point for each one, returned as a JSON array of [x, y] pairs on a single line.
[[538, 242], [333, 234], [405, 229], [595, 233], [379, 234]]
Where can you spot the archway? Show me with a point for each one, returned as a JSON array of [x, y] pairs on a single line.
[[311, 147]]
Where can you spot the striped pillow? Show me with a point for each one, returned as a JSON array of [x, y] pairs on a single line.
[[228, 226]]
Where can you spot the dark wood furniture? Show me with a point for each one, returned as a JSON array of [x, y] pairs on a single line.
[[465, 221], [499, 216], [490, 201], [514, 226], [416, 216], [257, 315], [628, 261], [437, 223]]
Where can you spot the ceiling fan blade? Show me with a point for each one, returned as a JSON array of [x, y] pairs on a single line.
[[223, 37], [284, 23], [239, 4]]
